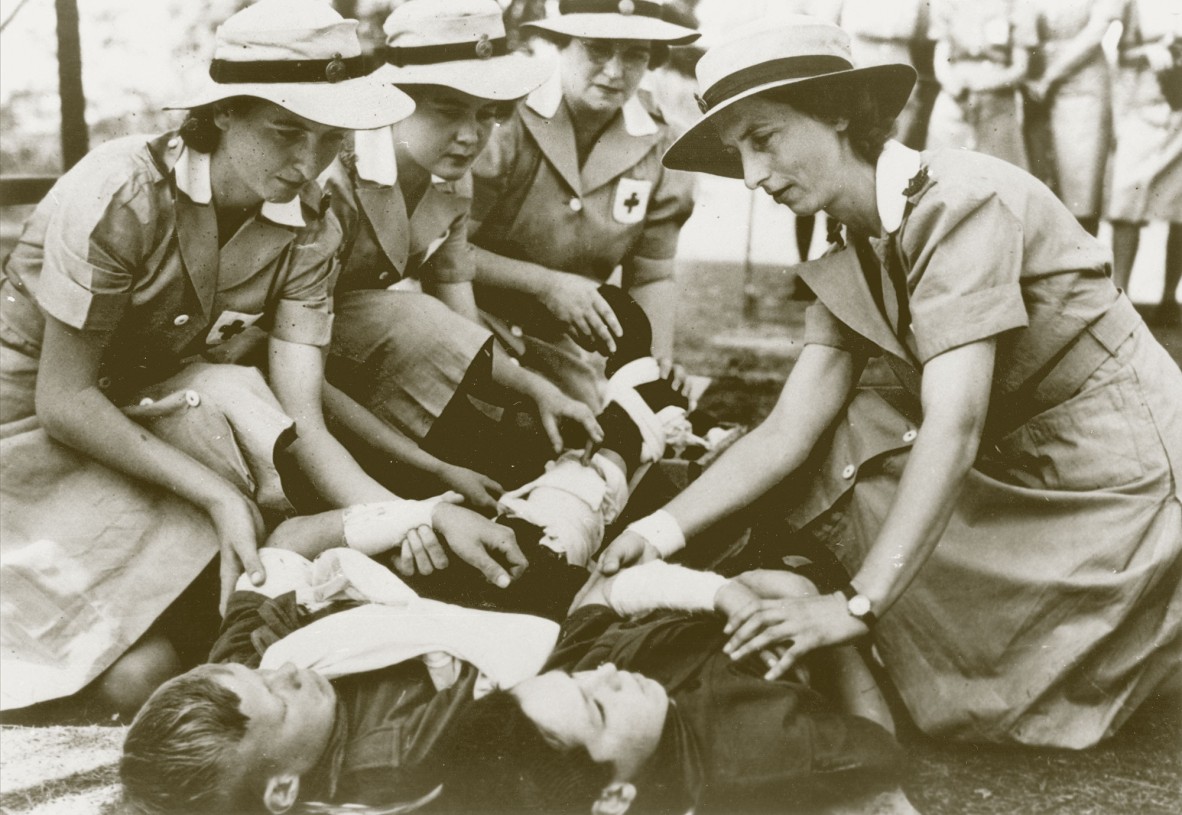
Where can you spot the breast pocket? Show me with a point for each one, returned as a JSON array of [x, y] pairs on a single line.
[[1103, 438]]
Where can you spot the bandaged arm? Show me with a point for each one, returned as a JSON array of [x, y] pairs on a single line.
[[659, 586]]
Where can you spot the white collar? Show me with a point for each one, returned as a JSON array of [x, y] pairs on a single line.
[[192, 178], [545, 101], [378, 163], [897, 165]]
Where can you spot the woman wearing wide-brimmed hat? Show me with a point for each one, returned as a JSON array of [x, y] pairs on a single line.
[[1009, 516], [572, 187], [132, 453], [400, 357]]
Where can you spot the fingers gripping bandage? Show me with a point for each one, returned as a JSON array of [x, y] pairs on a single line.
[[377, 528], [654, 426], [571, 502]]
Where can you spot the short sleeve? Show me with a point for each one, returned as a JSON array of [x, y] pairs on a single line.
[[304, 312], [99, 230], [671, 206], [822, 328], [966, 262]]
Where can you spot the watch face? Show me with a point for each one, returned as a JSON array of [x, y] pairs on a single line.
[[859, 605]]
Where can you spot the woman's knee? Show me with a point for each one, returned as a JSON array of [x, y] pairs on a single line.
[[128, 683]]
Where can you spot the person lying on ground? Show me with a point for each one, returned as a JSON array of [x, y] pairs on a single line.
[[416, 688]]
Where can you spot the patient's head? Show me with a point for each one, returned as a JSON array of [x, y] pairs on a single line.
[[225, 738], [556, 743]]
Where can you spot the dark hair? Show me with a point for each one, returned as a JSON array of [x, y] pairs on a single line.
[[177, 756], [494, 759], [420, 92], [200, 132], [869, 127], [658, 55]]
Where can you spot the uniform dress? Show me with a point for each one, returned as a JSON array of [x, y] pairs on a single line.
[[1147, 164], [1080, 105], [127, 241], [533, 202], [982, 36], [397, 351], [1052, 604], [894, 32]]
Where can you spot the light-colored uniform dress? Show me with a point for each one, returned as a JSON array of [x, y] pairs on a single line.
[[1052, 604], [397, 350], [1080, 105], [1147, 164], [127, 242], [982, 36], [533, 202], [889, 32]]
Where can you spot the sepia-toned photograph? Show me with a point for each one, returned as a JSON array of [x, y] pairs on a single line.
[[590, 407]]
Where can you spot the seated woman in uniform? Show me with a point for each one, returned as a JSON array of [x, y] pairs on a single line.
[[388, 705], [572, 187], [130, 459], [1009, 517], [399, 356]]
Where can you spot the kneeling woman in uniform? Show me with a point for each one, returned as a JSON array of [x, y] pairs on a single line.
[[572, 187], [1010, 521], [130, 456]]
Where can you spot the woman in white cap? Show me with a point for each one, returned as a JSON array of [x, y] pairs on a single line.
[[1009, 518], [400, 357], [572, 187], [130, 457]]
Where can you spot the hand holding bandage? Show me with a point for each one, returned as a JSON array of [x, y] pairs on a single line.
[[378, 528]]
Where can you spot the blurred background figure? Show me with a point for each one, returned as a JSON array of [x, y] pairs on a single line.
[[1069, 102], [981, 59], [1147, 166], [885, 31]]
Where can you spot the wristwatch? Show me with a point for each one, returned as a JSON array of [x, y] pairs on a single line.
[[858, 605]]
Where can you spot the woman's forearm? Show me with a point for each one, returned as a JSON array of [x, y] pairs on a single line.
[[76, 413], [659, 301], [297, 378], [343, 409], [955, 396], [919, 513], [813, 397], [521, 276]]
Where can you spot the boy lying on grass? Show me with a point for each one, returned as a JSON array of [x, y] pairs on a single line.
[[446, 709]]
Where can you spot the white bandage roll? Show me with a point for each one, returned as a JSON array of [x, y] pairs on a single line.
[[376, 528], [661, 530]]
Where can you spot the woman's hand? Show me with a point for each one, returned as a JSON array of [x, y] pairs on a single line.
[[239, 527], [799, 624], [629, 549], [554, 406], [475, 540], [480, 492], [575, 302], [675, 374]]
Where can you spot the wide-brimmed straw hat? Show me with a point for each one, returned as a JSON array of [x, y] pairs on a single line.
[[767, 54], [616, 20], [303, 56], [460, 44]]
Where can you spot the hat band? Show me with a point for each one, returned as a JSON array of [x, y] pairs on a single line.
[[642, 8], [775, 70], [229, 72], [484, 48]]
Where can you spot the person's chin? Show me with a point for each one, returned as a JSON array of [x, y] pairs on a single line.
[[452, 168]]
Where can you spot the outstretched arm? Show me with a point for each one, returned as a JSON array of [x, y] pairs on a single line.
[[812, 398], [955, 396]]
